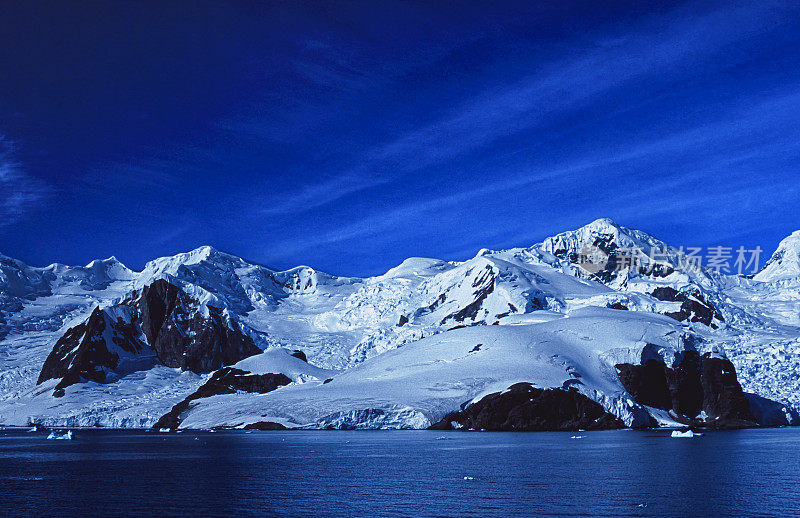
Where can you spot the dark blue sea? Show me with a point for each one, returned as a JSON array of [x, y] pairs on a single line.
[[398, 473]]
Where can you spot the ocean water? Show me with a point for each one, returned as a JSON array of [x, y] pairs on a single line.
[[401, 473]]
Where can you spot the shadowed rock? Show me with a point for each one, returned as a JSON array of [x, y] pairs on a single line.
[[524, 408], [83, 354], [183, 337], [300, 355], [696, 384], [694, 306], [162, 323], [265, 426]]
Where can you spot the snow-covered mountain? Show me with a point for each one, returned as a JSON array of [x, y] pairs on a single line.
[[784, 265], [609, 323]]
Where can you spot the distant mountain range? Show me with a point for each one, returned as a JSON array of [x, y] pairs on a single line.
[[601, 327]]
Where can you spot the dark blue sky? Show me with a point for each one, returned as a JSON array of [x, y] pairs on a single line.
[[348, 136]]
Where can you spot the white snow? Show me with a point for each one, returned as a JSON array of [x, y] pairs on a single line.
[[784, 263], [65, 436]]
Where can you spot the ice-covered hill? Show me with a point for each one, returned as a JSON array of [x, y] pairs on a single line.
[[87, 335], [784, 265], [418, 384]]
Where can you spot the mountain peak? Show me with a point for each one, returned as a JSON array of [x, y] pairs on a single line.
[[605, 231], [203, 253], [196, 256], [785, 262], [602, 223], [104, 262]]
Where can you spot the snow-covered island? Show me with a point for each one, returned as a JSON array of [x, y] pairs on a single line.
[[519, 339]]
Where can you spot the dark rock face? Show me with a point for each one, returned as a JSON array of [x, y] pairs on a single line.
[[300, 355], [162, 322], [646, 383], [696, 384], [156, 303], [771, 413], [184, 338], [694, 306], [225, 381], [525, 408], [82, 354], [265, 426]]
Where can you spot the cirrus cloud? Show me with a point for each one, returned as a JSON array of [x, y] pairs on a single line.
[[20, 193]]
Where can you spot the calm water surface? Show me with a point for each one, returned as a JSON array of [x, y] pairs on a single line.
[[732, 473]]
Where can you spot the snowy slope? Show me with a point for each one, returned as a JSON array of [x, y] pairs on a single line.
[[784, 263], [417, 384]]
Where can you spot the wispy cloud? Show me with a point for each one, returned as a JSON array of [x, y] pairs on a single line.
[[725, 147], [20, 193], [659, 46]]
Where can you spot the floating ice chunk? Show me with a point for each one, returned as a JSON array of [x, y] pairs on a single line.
[[163, 430], [577, 437], [469, 478], [67, 436], [687, 433]]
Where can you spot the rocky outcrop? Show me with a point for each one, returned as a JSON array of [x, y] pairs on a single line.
[[225, 381], [697, 390], [694, 307], [184, 337], [300, 355], [265, 426], [93, 349], [524, 408], [159, 324], [771, 413]]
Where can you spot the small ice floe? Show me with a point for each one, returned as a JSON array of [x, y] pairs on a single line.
[[196, 438], [469, 478], [34, 428], [577, 437], [163, 430], [687, 433], [67, 436], [441, 438], [642, 505]]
